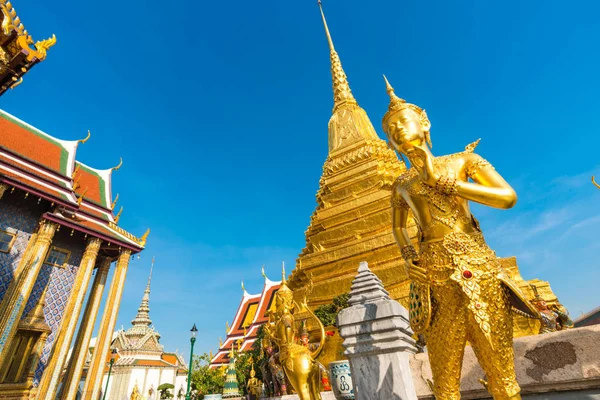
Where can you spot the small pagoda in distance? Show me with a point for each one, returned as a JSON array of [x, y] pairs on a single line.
[[231, 387]]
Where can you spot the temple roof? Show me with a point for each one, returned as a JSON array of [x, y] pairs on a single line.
[[42, 165], [251, 314]]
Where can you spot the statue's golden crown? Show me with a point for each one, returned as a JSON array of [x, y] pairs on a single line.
[[396, 104]]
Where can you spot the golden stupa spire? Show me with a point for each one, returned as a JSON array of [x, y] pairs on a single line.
[[341, 89]]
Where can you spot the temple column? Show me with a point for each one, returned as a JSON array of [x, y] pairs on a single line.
[[93, 382], [51, 378], [15, 299], [86, 329]]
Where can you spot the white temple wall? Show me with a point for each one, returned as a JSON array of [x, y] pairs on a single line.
[[152, 381], [180, 382]]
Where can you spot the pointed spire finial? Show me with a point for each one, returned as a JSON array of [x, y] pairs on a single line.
[[283, 282], [150, 276], [341, 89], [243, 287]]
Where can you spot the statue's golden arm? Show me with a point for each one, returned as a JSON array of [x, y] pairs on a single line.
[[399, 219], [488, 186]]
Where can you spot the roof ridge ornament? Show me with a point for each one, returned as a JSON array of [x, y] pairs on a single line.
[[594, 182], [118, 216], [119, 165], [82, 141]]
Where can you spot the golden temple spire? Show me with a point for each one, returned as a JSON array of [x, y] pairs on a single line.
[[283, 281], [341, 89]]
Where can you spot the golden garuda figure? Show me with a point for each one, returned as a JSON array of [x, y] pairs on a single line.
[[459, 291], [298, 362]]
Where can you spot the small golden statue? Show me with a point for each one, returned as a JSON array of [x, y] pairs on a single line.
[[135, 394], [298, 362], [459, 290], [254, 385]]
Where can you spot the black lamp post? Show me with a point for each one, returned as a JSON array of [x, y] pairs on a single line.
[[113, 355], [193, 332]]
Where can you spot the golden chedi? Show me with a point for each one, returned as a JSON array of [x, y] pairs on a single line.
[[352, 222], [459, 290]]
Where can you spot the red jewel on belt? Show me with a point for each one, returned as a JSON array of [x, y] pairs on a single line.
[[467, 274]]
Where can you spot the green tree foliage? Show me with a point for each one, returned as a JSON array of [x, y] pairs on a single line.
[[164, 391], [204, 379], [327, 313]]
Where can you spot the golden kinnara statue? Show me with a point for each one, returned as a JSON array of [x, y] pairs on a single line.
[[298, 362], [459, 290]]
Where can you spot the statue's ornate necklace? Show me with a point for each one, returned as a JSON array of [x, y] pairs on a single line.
[[444, 209]]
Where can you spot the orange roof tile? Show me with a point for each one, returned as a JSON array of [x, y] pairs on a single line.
[[32, 144], [170, 358], [92, 184]]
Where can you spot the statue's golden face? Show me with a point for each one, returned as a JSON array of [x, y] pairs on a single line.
[[406, 130]]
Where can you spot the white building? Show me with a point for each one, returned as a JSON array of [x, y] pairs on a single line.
[[142, 361]]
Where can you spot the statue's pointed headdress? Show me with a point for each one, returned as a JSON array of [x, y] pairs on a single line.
[[398, 104]]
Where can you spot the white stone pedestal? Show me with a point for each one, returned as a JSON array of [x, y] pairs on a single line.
[[378, 341]]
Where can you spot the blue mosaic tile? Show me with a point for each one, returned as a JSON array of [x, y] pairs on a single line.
[[23, 222], [60, 282]]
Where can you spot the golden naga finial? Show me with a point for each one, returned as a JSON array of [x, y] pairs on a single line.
[[118, 216], [243, 287], [341, 89], [80, 199], [118, 166], [43, 45], [220, 342], [227, 326], [144, 237], [114, 203], [210, 354], [263, 272], [82, 141], [75, 171], [594, 182]]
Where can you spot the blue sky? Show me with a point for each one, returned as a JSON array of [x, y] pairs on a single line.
[[220, 111]]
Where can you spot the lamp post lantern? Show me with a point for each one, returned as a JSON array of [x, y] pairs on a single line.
[[193, 332], [113, 355]]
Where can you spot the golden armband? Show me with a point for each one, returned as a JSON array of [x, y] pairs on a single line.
[[409, 253]]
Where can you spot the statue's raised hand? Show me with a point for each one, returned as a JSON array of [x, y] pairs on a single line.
[[425, 167]]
